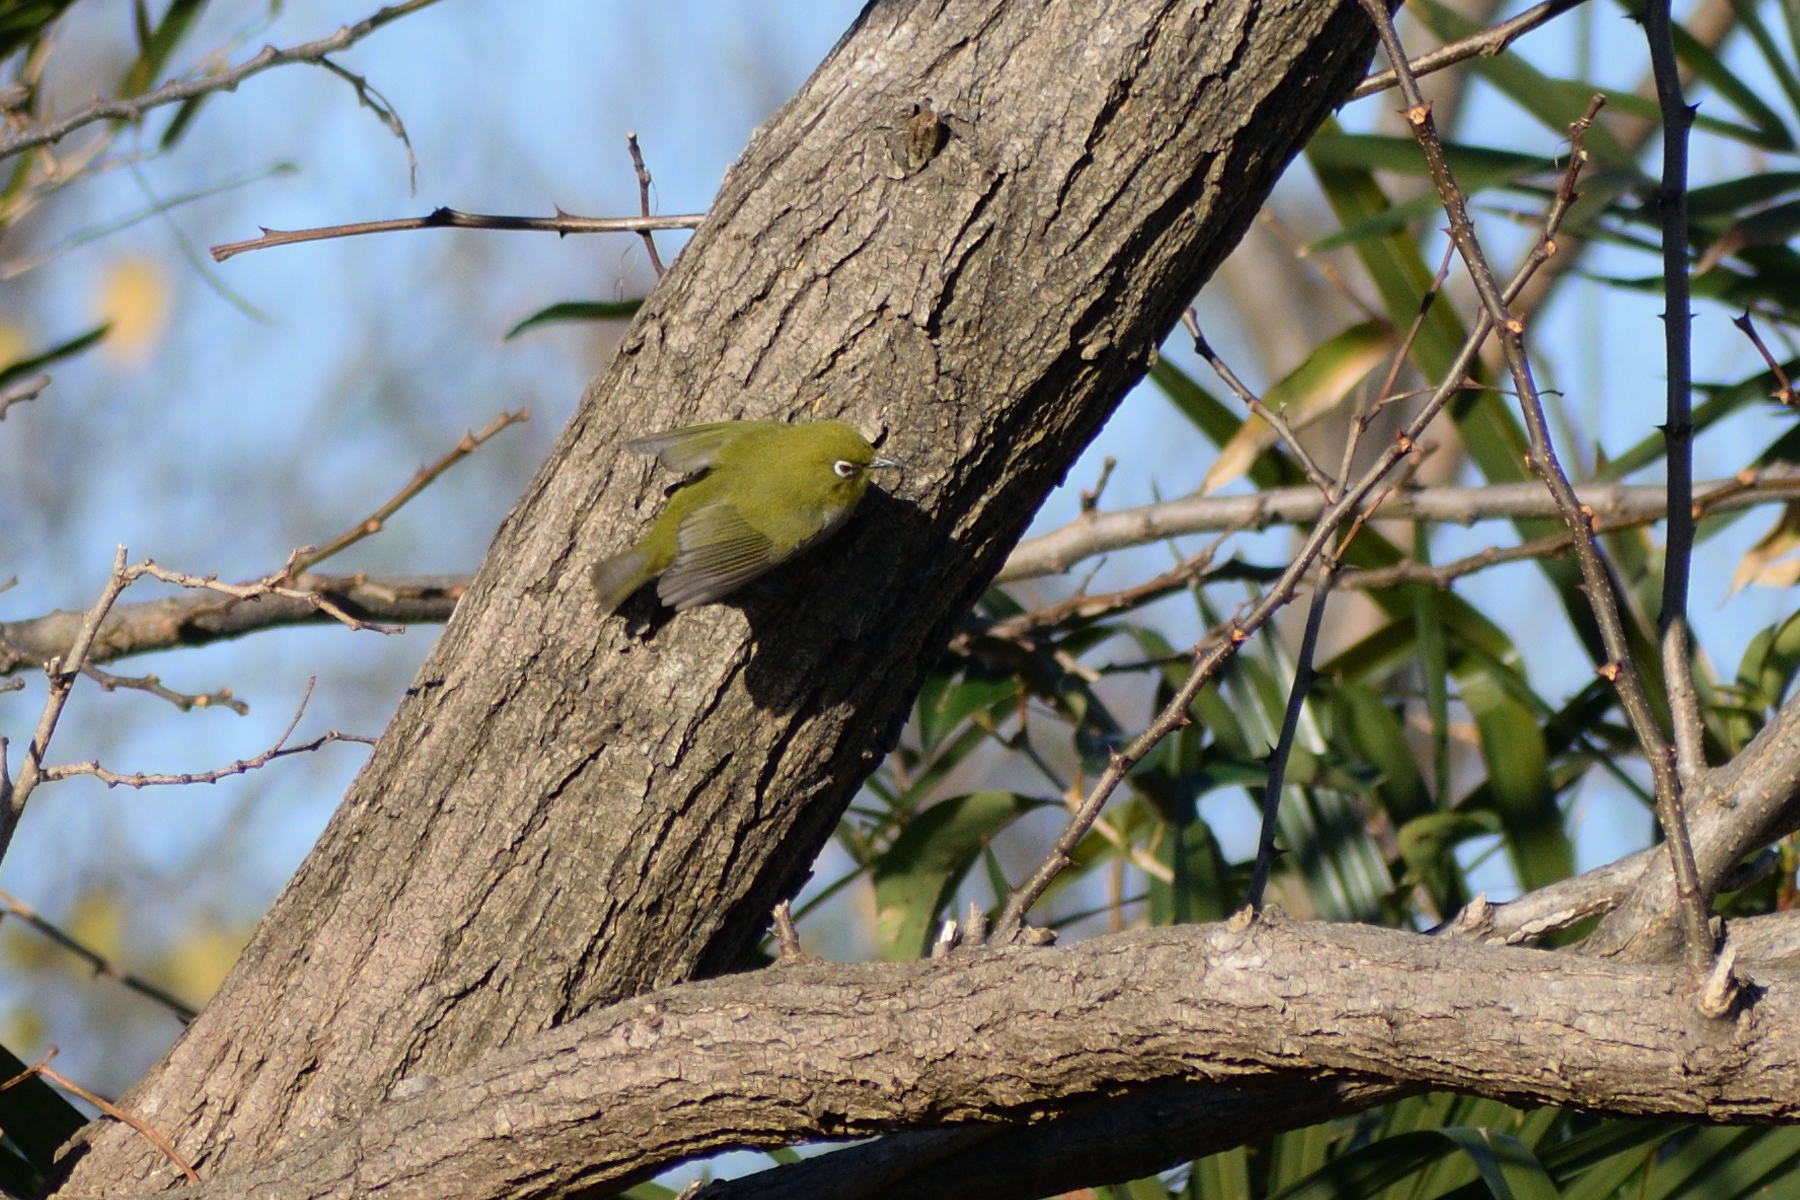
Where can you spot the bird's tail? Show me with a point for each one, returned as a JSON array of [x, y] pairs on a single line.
[[616, 578]]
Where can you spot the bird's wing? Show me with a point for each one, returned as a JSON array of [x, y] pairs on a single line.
[[692, 447], [719, 553]]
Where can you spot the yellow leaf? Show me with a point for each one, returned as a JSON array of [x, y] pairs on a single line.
[[1759, 564], [134, 298]]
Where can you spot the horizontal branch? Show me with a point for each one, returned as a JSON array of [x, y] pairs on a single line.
[[450, 218], [195, 618], [828, 1050], [1097, 532]]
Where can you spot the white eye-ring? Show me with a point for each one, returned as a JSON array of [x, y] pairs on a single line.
[[844, 468]]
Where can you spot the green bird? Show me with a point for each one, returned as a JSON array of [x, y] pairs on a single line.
[[769, 490]]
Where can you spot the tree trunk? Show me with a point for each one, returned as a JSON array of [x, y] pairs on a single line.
[[569, 809]]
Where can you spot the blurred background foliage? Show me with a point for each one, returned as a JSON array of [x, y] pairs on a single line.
[[1455, 742]]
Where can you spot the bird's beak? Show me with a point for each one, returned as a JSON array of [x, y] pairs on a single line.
[[884, 464]]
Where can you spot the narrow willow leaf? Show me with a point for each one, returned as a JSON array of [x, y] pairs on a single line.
[[577, 310], [69, 349], [917, 875]]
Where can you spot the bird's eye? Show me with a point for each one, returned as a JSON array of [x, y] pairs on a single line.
[[844, 468]]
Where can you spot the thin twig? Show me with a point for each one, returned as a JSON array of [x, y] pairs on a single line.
[[131, 108], [1784, 390], [1684, 707], [1487, 43], [20, 392], [1596, 576], [184, 701], [43, 1067], [1209, 656], [1284, 745], [643, 178], [62, 673], [371, 98], [97, 962], [243, 765], [449, 218], [372, 524], [1671, 198], [1274, 420]]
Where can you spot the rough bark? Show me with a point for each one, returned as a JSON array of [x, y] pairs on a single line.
[[842, 1050], [568, 810]]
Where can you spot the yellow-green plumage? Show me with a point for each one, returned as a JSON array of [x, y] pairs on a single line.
[[769, 491]]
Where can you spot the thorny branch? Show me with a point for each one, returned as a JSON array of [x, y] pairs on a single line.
[[1621, 671], [449, 218], [1678, 425], [1209, 658], [1487, 43], [132, 108]]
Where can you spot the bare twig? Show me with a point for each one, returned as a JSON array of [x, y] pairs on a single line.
[[1487, 43], [185, 701], [1671, 198], [62, 673], [1596, 576], [20, 392], [1284, 745], [97, 962], [449, 218], [131, 108], [643, 178], [43, 1067], [279, 750], [1276, 421], [1784, 390], [372, 99], [372, 524]]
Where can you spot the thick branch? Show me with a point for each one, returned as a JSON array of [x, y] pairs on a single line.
[[195, 618], [844, 1050]]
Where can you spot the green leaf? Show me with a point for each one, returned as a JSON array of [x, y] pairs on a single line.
[[1518, 784], [1426, 844], [75, 345], [577, 310], [1379, 738], [21, 21], [155, 45], [1223, 1176], [917, 875], [948, 703]]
